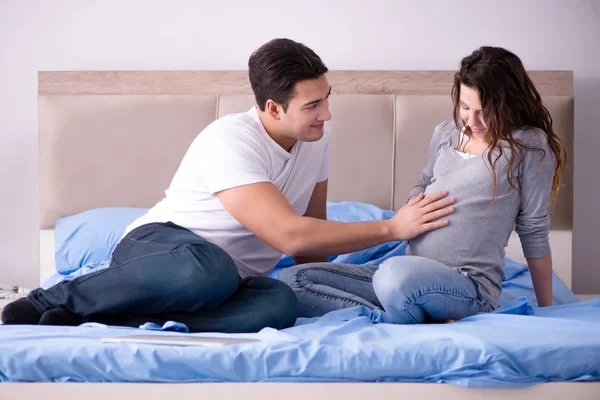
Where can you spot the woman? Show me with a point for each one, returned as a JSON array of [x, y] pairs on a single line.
[[501, 161]]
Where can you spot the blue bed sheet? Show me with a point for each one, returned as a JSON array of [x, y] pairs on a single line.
[[516, 347]]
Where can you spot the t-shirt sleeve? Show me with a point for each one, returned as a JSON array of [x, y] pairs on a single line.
[[228, 161], [324, 173]]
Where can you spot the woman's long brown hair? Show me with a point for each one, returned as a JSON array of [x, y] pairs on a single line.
[[510, 101]]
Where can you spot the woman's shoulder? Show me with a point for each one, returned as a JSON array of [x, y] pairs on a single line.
[[531, 137], [536, 148], [444, 131]]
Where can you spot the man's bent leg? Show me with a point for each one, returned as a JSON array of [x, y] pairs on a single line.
[[156, 268], [324, 287], [258, 303]]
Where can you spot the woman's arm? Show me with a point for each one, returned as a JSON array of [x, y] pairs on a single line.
[[533, 221], [541, 275]]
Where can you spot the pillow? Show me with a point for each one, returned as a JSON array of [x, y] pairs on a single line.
[[89, 238]]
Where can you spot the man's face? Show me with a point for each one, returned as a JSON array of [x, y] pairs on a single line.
[[307, 110]]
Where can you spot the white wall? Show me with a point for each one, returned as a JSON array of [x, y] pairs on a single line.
[[189, 34]]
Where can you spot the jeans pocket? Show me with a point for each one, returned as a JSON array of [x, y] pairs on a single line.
[[139, 234], [482, 300], [480, 296], [484, 304]]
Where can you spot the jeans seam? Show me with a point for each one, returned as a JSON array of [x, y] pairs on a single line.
[[412, 301], [132, 236], [137, 240], [178, 250], [329, 295]]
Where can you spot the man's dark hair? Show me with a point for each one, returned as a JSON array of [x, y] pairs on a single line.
[[275, 68]]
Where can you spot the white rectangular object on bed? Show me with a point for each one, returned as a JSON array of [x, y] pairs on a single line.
[[178, 340]]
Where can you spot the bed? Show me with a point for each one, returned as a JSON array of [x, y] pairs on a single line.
[[114, 139]]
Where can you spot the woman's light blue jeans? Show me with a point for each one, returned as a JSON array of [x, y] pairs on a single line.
[[409, 289]]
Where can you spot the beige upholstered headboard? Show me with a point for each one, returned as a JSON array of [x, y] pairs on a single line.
[[115, 139]]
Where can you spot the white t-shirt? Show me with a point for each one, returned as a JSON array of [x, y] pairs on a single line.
[[233, 151]]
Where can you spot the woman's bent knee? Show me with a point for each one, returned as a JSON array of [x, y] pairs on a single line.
[[397, 284], [396, 277]]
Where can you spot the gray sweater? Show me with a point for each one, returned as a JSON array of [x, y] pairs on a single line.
[[478, 231]]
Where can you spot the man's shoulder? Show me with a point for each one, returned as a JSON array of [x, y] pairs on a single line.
[[232, 124], [230, 130]]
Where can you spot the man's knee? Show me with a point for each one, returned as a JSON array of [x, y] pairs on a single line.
[[282, 309]]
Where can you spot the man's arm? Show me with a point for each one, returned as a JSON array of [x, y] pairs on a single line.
[[262, 209], [317, 208]]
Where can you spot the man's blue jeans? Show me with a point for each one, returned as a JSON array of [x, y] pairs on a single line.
[[409, 289], [161, 272]]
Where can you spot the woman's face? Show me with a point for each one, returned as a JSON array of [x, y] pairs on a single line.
[[471, 111]]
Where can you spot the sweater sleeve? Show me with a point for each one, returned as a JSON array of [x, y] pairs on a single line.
[[427, 173], [535, 180]]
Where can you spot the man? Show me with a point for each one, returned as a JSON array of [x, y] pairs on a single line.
[[251, 187]]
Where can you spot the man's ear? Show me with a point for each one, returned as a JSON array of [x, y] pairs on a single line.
[[274, 109]]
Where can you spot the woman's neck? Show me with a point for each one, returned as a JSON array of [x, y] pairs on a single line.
[[472, 144]]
